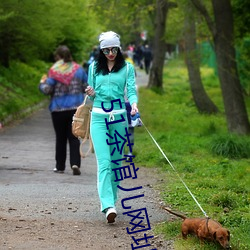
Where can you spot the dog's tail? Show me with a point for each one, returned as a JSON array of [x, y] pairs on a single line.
[[175, 213]]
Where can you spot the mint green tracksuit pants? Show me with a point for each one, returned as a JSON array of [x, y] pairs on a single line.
[[106, 186]]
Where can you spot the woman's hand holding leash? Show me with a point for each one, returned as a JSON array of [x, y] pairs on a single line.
[[134, 109]]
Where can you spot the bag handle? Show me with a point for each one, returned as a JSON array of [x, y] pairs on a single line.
[[91, 148], [85, 99], [87, 137]]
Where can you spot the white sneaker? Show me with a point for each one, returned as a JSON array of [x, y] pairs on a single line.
[[58, 171], [111, 214], [130, 156], [76, 170]]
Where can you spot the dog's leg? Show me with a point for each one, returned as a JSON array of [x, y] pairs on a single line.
[[184, 235]]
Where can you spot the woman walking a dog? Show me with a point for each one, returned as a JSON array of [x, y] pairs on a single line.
[[108, 77]]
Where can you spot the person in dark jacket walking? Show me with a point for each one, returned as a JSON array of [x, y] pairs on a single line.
[[147, 54]]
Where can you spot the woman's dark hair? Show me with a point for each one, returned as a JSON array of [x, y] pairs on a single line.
[[63, 52], [102, 67]]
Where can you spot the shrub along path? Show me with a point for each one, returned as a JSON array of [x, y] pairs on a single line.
[[40, 209]]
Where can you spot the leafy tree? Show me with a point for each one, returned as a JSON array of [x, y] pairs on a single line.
[[126, 17], [28, 33], [78, 29], [241, 18], [175, 24], [242, 33], [156, 72], [22, 35], [221, 28]]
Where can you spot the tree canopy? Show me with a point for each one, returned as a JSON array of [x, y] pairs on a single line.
[[27, 32]]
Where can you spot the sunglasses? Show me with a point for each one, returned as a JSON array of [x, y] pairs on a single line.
[[106, 51]]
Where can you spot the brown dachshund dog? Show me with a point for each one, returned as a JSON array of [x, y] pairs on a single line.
[[204, 229]]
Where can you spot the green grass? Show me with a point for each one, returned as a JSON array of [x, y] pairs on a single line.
[[214, 164], [19, 88]]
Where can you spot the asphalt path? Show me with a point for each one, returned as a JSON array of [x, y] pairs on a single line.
[[31, 190]]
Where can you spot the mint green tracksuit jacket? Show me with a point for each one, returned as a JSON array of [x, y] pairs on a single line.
[[107, 88]]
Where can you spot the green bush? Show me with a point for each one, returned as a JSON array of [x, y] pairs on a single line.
[[223, 200], [231, 146], [19, 87]]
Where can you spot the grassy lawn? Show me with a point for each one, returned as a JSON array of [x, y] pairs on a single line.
[[214, 164], [19, 88]]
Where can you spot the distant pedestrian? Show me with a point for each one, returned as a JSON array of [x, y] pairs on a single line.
[[138, 56], [65, 84], [93, 56], [147, 54]]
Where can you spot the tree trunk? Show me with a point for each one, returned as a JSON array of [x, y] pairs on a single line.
[[223, 38], [159, 47], [201, 99], [235, 109]]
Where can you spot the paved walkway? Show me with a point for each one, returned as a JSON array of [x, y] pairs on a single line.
[[141, 78], [29, 189]]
